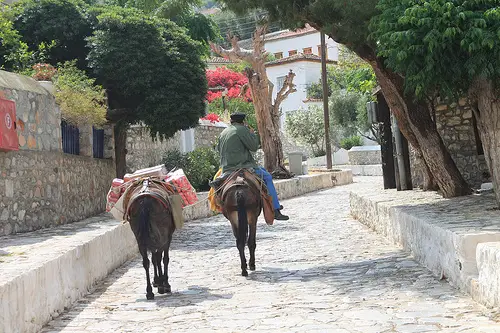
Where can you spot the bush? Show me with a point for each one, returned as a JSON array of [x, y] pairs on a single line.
[[81, 101], [200, 165], [350, 142], [308, 127]]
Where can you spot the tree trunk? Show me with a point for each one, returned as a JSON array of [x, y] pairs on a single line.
[[487, 111], [416, 124], [266, 112], [120, 149]]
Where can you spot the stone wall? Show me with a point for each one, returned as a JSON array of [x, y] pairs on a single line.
[[143, 152], [455, 125], [43, 189], [365, 155], [38, 118], [40, 186]]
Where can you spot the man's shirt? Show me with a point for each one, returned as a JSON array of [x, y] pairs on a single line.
[[236, 143]]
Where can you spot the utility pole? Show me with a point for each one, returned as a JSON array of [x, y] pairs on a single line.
[[325, 103]]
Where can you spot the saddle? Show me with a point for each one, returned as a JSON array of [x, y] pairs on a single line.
[[160, 191], [229, 180]]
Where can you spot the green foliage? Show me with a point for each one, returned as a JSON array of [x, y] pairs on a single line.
[[352, 141], [200, 165], [41, 22], [149, 67], [235, 105], [182, 12], [13, 51], [242, 26], [344, 109], [315, 91], [80, 100], [308, 127], [437, 45]]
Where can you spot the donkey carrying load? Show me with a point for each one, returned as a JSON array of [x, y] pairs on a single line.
[[151, 209]]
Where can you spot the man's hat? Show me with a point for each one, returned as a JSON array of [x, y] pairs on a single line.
[[238, 117]]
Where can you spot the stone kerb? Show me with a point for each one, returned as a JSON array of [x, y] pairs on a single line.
[[287, 188], [365, 155], [59, 265], [450, 237]]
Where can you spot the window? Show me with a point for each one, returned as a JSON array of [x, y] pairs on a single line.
[[278, 55], [98, 142], [307, 50], [280, 81], [70, 138], [292, 53], [319, 51]]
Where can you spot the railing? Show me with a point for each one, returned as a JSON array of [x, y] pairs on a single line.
[[70, 138], [98, 142]]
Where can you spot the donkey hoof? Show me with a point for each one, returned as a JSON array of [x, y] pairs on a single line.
[[168, 289], [251, 267], [244, 273], [150, 296], [161, 290]]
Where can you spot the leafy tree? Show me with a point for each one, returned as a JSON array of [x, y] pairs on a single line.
[[81, 101], [200, 27], [232, 81], [43, 22], [348, 23], [241, 26], [152, 73], [13, 51], [308, 127], [448, 48]]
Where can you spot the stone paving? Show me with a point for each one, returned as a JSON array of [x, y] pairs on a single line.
[[321, 271]]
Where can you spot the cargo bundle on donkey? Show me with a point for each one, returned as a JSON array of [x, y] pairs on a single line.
[[151, 200]]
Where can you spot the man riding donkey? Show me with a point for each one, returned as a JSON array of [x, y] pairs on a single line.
[[236, 144]]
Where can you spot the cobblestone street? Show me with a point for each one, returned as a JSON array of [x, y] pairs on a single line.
[[321, 271]]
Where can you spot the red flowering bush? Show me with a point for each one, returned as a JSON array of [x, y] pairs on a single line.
[[212, 117], [229, 79], [43, 72]]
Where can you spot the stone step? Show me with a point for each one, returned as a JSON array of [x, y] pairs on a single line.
[[44, 272], [451, 237]]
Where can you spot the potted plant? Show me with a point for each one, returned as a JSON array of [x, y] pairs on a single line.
[[44, 73]]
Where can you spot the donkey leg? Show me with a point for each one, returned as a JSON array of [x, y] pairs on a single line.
[[160, 272], [145, 264], [166, 260], [156, 279], [240, 245], [252, 245]]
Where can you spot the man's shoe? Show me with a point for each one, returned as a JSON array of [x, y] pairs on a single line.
[[280, 217]]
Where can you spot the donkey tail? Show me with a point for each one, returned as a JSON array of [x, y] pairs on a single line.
[[144, 221], [242, 216]]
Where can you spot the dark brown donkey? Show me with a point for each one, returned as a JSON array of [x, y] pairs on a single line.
[[242, 203], [151, 220]]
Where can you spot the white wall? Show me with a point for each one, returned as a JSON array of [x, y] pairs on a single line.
[[306, 72], [300, 42]]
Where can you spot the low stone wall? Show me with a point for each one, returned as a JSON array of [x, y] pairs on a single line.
[[286, 188], [143, 152], [43, 189], [450, 237], [365, 155]]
